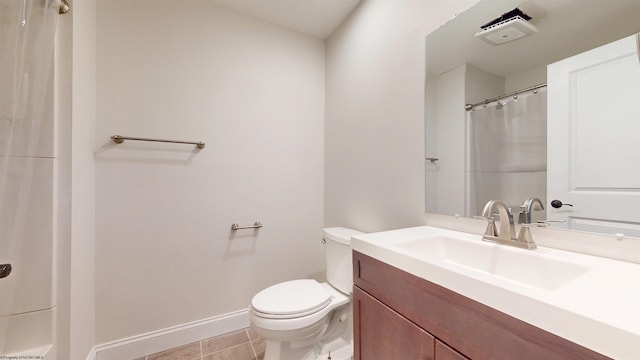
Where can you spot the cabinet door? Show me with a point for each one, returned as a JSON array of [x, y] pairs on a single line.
[[382, 334], [444, 352]]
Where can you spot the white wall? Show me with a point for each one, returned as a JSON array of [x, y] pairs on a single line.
[[374, 123], [75, 247], [526, 79], [452, 145], [254, 92], [431, 144], [63, 94], [83, 238], [481, 85]]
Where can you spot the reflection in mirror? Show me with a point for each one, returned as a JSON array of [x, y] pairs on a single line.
[[506, 156], [508, 152]]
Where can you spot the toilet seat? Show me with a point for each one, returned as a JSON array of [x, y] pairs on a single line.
[[291, 299], [295, 322]]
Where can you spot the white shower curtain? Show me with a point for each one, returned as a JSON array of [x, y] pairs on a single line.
[[508, 151], [27, 34]]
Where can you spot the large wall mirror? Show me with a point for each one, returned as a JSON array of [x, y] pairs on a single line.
[[555, 115]]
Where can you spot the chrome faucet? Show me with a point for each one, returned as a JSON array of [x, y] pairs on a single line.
[[506, 233], [532, 203], [507, 229]]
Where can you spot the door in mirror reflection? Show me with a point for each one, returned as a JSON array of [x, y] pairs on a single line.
[[594, 139]]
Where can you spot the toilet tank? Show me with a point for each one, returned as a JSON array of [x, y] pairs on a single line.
[[337, 257]]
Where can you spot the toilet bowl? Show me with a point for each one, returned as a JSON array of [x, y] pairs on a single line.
[[305, 319]]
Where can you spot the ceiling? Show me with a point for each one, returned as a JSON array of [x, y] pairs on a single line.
[[566, 28], [317, 18]]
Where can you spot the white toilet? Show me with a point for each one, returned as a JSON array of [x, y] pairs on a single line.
[[305, 319]]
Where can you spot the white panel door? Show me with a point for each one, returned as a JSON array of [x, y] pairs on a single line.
[[594, 139]]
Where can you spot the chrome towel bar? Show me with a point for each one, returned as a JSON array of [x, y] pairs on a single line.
[[256, 225], [118, 139]]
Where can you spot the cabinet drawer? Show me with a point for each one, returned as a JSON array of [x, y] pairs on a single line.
[[474, 329]]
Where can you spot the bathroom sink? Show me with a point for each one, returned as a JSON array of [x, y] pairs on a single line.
[[592, 301], [527, 267]]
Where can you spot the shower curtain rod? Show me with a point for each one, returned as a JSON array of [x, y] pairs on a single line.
[[534, 88]]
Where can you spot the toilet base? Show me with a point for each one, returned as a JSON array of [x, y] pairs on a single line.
[[276, 352], [337, 339], [342, 353]]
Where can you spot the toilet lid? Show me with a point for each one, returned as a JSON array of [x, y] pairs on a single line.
[[296, 297]]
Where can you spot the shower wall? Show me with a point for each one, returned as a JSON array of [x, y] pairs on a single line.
[[26, 314], [29, 286], [28, 167]]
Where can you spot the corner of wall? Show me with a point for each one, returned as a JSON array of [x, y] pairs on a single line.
[[82, 192]]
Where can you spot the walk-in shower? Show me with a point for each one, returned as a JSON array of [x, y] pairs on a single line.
[[27, 176]]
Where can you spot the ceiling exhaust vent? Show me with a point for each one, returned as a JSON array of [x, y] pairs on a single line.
[[508, 27]]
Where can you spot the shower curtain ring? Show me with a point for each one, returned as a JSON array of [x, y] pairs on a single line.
[[64, 7]]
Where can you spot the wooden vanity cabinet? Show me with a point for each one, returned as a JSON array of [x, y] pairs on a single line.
[[400, 316], [443, 352]]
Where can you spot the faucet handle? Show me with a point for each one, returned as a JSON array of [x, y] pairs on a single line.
[[491, 226], [525, 234], [523, 214], [527, 207]]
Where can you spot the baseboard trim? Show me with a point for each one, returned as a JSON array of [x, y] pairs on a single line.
[[152, 342]]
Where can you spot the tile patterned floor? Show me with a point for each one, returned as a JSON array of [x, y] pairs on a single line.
[[243, 344]]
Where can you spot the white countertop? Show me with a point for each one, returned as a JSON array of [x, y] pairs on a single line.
[[599, 309]]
